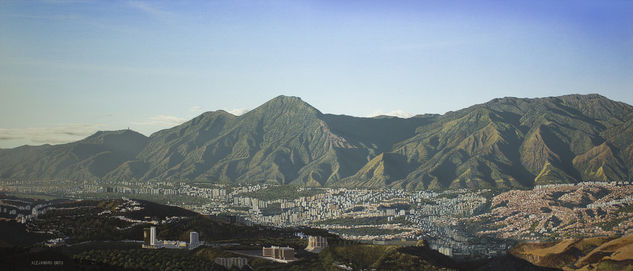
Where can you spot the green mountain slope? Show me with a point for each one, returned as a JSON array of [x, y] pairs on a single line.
[[90, 158], [285, 140], [504, 143], [513, 142], [379, 172]]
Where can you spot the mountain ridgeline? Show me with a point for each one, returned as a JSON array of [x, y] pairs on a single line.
[[504, 143]]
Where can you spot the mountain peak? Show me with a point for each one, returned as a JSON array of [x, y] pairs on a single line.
[[219, 112], [287, 98], [286, 103], [589, 96], [100, 135]]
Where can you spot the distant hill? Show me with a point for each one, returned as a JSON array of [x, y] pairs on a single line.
[[92, 157], [504, 143]]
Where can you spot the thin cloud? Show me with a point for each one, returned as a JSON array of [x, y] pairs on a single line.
[[195, 109], [53, 134], [64, 65], [238, 111], [395, 113], [161, 120], [428, 45], [60, 17], [148, 8], [65, 1], [78, 19]]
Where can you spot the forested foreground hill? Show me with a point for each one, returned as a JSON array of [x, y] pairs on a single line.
[[504, 143]]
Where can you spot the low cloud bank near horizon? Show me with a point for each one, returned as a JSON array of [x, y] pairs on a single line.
[[239, 111], [70, 132], [395, 113], [195, 109], [63, 133], [161, 120]]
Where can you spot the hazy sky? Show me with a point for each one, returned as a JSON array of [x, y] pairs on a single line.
[[69, 68]]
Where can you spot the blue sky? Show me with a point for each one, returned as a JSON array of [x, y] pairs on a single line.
[[69, 67]]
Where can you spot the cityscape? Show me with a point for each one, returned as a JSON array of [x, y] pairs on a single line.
[[218, 135], [457, 223]]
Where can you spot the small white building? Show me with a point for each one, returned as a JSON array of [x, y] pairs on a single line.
[[316, 244]]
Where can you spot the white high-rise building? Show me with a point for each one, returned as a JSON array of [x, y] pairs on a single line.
[[193, 239], [152, 236]]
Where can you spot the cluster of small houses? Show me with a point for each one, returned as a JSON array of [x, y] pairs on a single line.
[[21, 217]]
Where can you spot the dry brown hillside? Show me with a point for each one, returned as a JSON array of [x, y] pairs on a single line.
[[598, 253]]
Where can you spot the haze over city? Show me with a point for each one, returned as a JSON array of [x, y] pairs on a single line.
[[70, 68]]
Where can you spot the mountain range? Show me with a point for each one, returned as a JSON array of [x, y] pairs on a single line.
[[504, 143]]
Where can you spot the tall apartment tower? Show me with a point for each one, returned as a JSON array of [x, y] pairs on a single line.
[[152, 234], [193, 239]]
